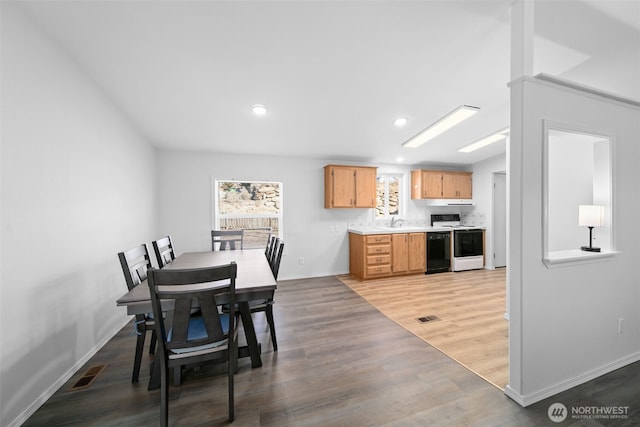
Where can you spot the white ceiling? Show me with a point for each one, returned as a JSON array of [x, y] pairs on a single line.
[[333, 74]]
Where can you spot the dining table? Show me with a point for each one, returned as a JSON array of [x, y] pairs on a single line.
[[254, 281]]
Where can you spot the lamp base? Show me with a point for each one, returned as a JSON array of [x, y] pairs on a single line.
[[590, 249]]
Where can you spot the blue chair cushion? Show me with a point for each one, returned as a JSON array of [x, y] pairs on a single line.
[[197, 330]]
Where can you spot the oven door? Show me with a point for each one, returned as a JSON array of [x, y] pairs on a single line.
[[467, 243]]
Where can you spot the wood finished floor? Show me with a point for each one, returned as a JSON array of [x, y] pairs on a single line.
[[340, 363], [470, 306]]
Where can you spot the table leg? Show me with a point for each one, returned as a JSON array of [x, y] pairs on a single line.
[[250, 334]]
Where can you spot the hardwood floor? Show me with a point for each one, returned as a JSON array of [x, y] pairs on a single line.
[[340, 363], [469, 306]]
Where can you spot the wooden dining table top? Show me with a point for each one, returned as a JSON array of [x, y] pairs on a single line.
[[254, 275]]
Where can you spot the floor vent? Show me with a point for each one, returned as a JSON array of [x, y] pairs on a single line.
[[88, 377], [430, 318]]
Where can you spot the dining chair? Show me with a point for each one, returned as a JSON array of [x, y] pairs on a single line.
[[164, 251], [135, 264], [266, 305], [271, 244], [276, 258], [227, 239], [267, 248], [186, 339]]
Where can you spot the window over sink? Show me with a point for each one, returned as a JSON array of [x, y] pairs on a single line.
[[388, 193]]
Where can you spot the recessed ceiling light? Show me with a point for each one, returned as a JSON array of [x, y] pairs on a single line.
[[399, 159], [452, 119], [401, 121], [259, 109], [485, 141]]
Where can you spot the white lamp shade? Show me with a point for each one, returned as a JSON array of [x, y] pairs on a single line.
[[590, 215]]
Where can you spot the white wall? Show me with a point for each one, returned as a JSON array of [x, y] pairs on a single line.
[[571, 169], [564, 321], [77, 187]]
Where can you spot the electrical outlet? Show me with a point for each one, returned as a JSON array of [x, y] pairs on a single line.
[[620, 322], [301, 260]]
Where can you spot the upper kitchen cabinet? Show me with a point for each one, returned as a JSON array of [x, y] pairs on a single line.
[[433, 184], [456, 185], [349, 186]]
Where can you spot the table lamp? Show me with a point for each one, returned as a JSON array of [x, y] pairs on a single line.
[[590, 216]]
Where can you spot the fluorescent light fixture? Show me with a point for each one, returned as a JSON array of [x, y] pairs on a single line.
[[259, 109], [401, 121], [452, 119], [485, 141]]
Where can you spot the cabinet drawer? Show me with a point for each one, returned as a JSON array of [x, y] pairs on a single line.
[[378, 259], [378, 249], [379, 238], [378, 270]]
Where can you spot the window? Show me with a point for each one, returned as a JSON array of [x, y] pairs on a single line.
[[253, 206], [388, 194]]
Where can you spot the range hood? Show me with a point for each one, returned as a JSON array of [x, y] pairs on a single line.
[[449, 202]]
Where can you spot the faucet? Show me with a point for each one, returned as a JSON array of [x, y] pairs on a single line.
[[396, 222]]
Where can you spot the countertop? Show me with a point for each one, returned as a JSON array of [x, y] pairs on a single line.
[[406, 229]]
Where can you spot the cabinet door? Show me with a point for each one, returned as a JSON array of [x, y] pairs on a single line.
[[399, 253], [431, 184], [456, 185], [365, 187], [465, 186], [417, 252], [342, 188]]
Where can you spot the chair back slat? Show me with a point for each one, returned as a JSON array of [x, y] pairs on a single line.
[[227, 240], [163, 249], [135, 263], [276, 258]]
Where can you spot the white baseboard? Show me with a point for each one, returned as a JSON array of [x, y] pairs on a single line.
[[46, 395], [571, 382]]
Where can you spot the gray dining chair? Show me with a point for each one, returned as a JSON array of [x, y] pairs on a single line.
[[227, 240], [135, 264], [163, 249], [185, 339]]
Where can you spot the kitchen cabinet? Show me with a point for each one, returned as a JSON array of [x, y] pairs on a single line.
[[349, 186], [370, 255], [434, 184], [408, 252], [456, 185], [383, 255]]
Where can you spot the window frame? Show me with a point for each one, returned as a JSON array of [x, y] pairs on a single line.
[[216, 216], [401, 197]]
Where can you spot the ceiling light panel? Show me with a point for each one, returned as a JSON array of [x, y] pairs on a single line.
[[452, 119], [487, 140]]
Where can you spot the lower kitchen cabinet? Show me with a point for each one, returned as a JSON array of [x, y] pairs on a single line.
[[382, 255], [408, 253], [417, 252]]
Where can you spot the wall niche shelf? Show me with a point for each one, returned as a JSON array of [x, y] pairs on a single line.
[[576, 256]]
